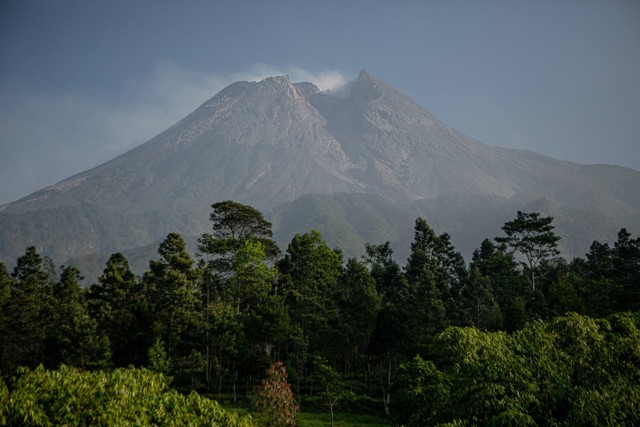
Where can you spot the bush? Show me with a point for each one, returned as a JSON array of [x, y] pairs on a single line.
[[68, 396], [274, 399]]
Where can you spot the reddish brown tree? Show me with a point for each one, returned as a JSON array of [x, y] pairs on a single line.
[[274, 399]]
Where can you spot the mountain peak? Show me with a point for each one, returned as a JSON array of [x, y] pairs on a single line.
[[368, 79], [368, 87], [364, 74], [272, 85], [276, 81]]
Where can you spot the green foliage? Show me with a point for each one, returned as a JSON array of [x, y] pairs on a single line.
[[242, 308], [234, 223], [6, 300], [593, 378], [158, 359], [571, 371], [479, 303], [4, 403], [32, 271], [119, 304], [252, 278], [420, 393], [6, 283], [309, 275], [435, 273], [27, 311], [73, 337], [347, 329], [626, 265], [224, 333], [391, 337], [532, 236], [487, 376], [382, 268], [174, 307], [274, 399], [506, 284], [358, 303], [130, 396], [332, 390], [597, 287]]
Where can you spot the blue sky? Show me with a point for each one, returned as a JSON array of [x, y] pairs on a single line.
[[84, 81]]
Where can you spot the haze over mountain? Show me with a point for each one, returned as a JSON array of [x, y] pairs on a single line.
[[286, 147]]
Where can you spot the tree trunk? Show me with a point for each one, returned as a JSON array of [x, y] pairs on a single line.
[[533, 279], [235, 376], [331, 409], [386, 396]]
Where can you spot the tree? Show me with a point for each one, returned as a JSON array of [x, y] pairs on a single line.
[[391, 338], [7, 286], [309, 276], [429, 285], [171, 286], [479, 302], [235, 250], [223, 333], [274, 399], [572, 370], [384, 270], [421, 394], [118, 303], [532, 236], [73, 337], [234, 223], [508, 285], [626, 266], [158, 359], [593, 280], [358, 304], [29, 310], [33, 271], [238, 221], [559, 283], [252, 278], [332, 388], [259, 310], [489, 380]]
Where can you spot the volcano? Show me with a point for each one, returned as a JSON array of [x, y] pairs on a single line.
[[352, 167]]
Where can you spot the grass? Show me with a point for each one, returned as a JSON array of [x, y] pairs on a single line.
[[341, 419], [313, 417]]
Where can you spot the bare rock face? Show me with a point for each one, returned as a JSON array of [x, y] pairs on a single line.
[[268, 143]]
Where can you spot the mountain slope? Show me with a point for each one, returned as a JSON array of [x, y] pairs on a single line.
[[252, 141], [271, 142]]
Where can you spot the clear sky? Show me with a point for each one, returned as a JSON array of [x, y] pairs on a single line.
[[83, 81]]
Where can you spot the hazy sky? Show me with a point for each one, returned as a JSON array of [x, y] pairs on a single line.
[[83, 81]]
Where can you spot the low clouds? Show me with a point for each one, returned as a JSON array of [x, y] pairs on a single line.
[[47, 137]]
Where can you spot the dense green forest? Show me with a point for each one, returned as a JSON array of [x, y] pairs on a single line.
[[519, 336]]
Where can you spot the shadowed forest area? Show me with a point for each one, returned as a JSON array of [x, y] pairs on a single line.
[[518, 336]]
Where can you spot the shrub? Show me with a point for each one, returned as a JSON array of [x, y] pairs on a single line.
[[68, 396], [274, 399]]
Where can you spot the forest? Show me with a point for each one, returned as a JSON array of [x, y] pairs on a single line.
[[518, 336]]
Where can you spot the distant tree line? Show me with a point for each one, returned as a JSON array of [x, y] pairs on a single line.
[[510, 337]]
